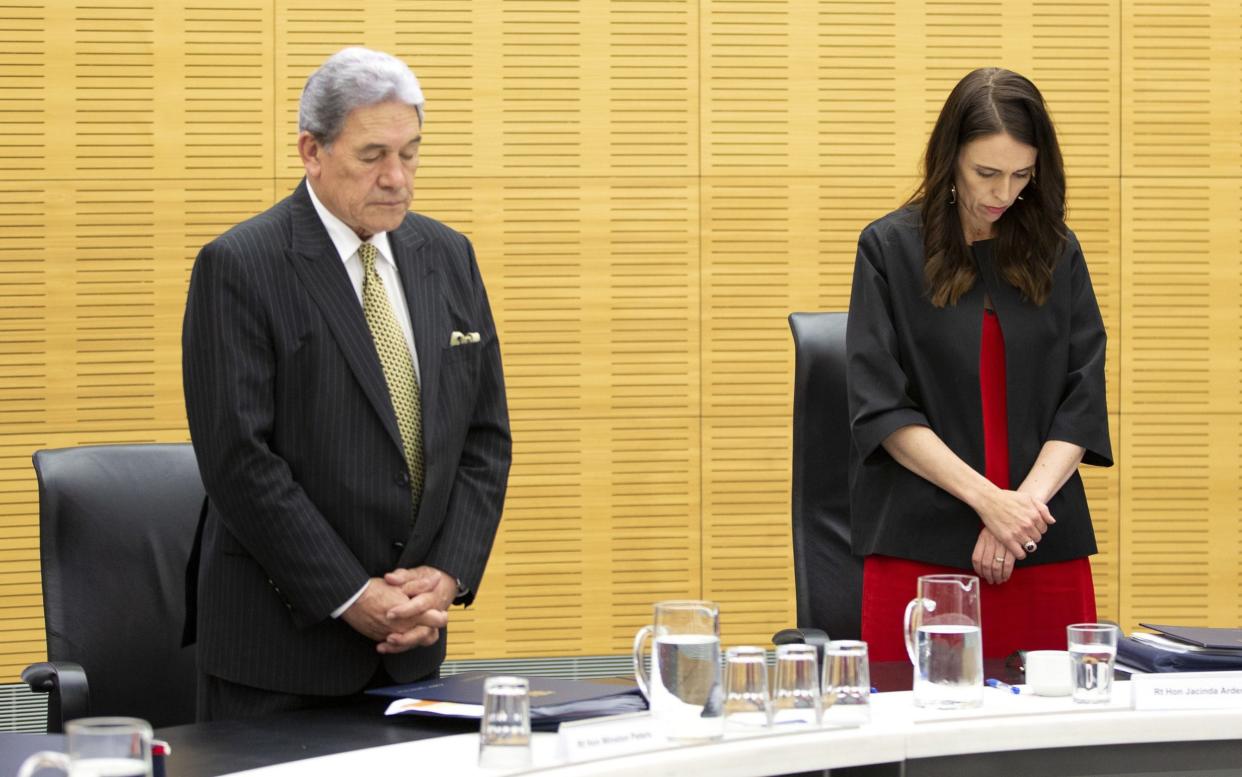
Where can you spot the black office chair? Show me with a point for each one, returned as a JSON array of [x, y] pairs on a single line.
[[827, 575], [116, 523]]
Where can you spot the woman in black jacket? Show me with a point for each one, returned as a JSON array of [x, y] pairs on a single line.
[[976, 379]]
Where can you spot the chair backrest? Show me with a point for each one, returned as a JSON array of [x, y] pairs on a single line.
[[827, 575], [116, 525]]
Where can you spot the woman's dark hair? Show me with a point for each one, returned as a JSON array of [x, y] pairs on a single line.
[[1031, 235]]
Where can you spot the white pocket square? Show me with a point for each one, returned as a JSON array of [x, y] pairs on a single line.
[[460, 338]]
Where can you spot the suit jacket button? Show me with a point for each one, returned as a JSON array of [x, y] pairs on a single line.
[[403, 479], [398, 545]]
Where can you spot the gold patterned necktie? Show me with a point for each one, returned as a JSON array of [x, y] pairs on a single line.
[[394, 356]]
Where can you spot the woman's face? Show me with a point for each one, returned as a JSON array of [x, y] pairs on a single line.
[[991, 172]]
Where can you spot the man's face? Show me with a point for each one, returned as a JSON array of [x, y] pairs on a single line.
[[366, 177]]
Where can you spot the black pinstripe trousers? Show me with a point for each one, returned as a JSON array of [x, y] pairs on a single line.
[[220, 699]]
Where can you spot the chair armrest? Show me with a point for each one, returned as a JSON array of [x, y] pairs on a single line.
[[68, 692], [816, 638]]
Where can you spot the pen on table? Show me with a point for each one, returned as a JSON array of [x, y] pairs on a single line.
[[1000, 686]]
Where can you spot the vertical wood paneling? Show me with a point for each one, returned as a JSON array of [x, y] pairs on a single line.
[[105, 303], [957, 38], [1094, 205], [845, 205], [653, 87], [109, 47], [24, 86], [224, 111], [1168, 363], [759, 241], [747, 556], [542, 86], [24, 405], [604, 394], [1179, 404], [1181, 105], [651, 299], [443, 43], [23, 314], [1094, 215], [539, 555], [1103, 488], [745, 86], [651, 187], [652, 532], [538, 239], [749, 247], [856, 88], [1075, 65], [1168, 510], [1180, 164], [308, 32]]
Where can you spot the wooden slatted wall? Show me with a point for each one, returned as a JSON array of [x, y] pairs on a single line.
[[652, 185]]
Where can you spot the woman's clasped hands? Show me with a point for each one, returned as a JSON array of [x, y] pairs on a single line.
[[1012, 521]]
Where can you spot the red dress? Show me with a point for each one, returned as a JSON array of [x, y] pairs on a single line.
[[1027, 612]]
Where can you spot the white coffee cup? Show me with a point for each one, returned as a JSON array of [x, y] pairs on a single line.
[[1048, 672]]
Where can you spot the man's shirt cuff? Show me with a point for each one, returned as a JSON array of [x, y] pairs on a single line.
[[339, 611]]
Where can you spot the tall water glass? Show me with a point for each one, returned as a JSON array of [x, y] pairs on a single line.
[[683, 688], [747, 704], [1093, 651], [504, 728], [945, 642], [116, 747], [796, 697], [847, 683]]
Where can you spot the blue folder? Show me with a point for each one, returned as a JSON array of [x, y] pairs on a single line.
[[1153, 658], [552, 700]]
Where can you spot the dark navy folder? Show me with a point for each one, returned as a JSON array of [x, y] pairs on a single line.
[[1154, 658], [551, 699], [1215, 639]]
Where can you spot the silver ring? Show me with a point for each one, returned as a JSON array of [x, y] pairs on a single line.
[[1030, 546], [998, 559]]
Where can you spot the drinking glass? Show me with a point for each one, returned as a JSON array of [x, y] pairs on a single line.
[[504, 729], [847, 683], [1093, 650], [683, 689], [796, 698], [747, 704], [117, 747], [945, 642]]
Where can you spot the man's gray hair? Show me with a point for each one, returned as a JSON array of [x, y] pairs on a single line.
[[354, 78]]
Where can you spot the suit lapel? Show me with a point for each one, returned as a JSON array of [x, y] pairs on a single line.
[[317, 263], [420, 280]]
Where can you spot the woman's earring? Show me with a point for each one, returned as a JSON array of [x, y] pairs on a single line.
[[952, 194]]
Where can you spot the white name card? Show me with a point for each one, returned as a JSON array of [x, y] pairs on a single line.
[[605, 737], [1187, 690]]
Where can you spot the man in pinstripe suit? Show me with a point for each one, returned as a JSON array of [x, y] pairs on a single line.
[[342, 524]]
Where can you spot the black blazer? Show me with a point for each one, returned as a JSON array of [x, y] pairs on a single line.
[[910, 362], [299, 450]]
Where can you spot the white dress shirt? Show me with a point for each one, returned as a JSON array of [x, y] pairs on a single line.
[[347, 243]]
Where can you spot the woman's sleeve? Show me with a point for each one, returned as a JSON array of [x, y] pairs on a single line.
[[879, 397], [1082, 415]]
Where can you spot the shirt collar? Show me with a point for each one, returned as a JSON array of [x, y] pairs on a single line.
[[345, 239]]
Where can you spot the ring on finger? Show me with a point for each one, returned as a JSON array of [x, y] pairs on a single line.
[[999, 560], [1030, 546]]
